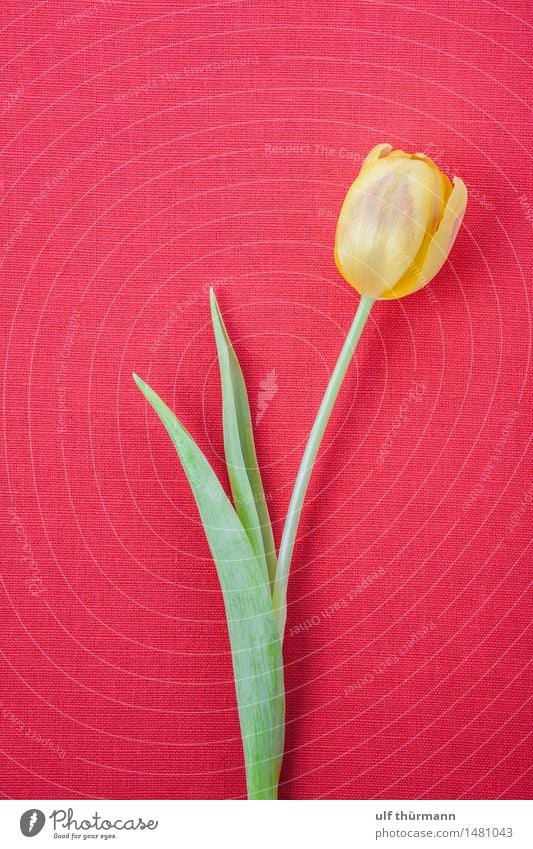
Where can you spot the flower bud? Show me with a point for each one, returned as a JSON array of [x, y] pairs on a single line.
[[397, 224]]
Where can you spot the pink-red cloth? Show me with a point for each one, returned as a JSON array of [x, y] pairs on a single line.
[[149, 151]]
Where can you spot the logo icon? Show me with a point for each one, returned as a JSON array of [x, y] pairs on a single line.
[[269, 388], [32, 822]]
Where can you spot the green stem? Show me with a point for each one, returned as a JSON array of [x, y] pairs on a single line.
[[308, 459]]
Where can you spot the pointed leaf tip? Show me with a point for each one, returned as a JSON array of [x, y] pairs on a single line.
[[239, 449]]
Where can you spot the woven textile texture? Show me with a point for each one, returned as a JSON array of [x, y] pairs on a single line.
[[149, 151]]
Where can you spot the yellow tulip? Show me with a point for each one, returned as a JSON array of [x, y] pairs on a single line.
[[397, 224]]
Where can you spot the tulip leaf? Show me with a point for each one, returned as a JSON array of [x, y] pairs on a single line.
[[254, 639], [241, 459]]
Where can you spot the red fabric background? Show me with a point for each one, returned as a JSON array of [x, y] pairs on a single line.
[[139, 167]]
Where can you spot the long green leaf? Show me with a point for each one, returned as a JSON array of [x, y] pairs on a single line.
[[255, 643], [241, 459]]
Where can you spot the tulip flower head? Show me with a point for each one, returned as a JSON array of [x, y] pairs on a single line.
[[397, 224]]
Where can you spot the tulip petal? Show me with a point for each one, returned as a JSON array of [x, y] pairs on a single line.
[[443, 240], [443, 185], [414, 277], [377, 152]]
